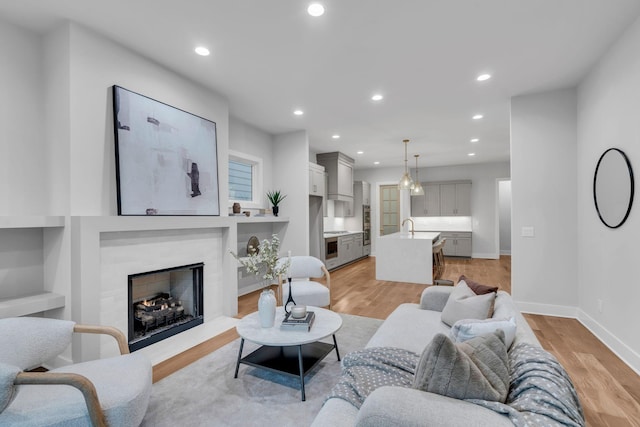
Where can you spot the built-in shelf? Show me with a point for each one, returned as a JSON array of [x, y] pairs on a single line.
[[257, 219], [31, 221], [24, 306]]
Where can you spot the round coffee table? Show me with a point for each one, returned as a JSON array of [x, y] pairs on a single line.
[[289, 352]]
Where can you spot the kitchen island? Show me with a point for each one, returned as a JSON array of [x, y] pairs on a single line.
[[406, 257]]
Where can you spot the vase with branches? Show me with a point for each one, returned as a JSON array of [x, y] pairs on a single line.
[[265, 263]]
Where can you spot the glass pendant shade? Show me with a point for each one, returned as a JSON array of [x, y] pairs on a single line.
[[417, 189], [406, 183]]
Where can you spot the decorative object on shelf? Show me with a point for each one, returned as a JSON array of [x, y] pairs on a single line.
[[613, 187], [417, 189], [406, 183], [246, 213], [290, 302], [275, 197], [265, 262], [267, 308], [253, 245], [236, 208]]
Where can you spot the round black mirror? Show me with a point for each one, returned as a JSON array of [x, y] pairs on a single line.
[[613, 187]]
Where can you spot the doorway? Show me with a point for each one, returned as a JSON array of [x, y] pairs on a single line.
[[389, 209]]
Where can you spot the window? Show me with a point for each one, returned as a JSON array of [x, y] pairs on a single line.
[[240, 180], [245, 178]]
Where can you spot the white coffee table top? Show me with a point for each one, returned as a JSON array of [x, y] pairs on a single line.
[[326, 323]]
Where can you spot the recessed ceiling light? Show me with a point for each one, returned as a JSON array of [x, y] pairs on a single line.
[[377, 97], [360, 152], [477, 117], [483, 77], [202, 51], [298, 112], [475, 140], [471, 154], [315, 9], [376, 163], [336, 136]]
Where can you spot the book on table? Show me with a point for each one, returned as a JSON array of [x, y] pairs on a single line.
[[301, 324]]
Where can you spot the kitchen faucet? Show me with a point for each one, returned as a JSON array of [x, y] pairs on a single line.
[[412, 225]]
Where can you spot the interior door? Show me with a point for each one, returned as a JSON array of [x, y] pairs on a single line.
[[389, 209]]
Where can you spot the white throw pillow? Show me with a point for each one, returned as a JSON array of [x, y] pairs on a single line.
[[466, 329], [463, 303]]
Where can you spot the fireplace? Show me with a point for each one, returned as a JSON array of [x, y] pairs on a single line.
[[163, 303]]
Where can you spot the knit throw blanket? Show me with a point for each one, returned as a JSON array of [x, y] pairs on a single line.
[[365, 370], [540, 392]]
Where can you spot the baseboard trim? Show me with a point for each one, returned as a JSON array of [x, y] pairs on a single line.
[[547, 309], [620, 349], [613, 343], [485, 255]]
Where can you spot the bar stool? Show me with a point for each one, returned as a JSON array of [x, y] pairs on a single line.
[[439, 264]]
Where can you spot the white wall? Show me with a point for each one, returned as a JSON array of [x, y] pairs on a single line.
[[483, 197], [21, 123], [291, 176], [247, 139], [609, 116], [96, 65], [543, 180]]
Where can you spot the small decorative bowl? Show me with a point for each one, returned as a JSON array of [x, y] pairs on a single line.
[[298, 311]]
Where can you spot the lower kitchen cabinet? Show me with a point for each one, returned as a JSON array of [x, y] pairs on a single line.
[[350, 248], [457, 244]]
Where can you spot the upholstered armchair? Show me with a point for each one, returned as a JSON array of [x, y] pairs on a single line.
[[305, 291], [105, 392]]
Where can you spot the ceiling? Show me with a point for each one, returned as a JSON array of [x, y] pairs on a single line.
[[270, 58]]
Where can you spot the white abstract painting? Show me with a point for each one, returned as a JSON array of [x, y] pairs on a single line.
[[166, 158]]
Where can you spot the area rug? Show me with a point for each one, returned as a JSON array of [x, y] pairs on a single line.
[[206, 394]]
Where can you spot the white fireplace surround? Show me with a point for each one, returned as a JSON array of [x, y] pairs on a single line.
[[109, 249]]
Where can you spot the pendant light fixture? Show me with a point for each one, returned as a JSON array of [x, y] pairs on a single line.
[[417, 189], [406, 183]]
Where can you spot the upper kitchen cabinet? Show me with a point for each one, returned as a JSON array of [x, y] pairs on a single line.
[[443, 199], [344, 209], [455, 199], [361, 197], [366, 192], [339, 168], [316, 180], [427, 204]]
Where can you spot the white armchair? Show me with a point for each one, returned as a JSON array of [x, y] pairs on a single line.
[[306, 291], [106, 392]]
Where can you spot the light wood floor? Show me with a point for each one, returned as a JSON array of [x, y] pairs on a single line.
[[609, 390]]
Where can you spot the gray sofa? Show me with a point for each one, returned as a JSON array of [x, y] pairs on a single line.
[[412, 327]]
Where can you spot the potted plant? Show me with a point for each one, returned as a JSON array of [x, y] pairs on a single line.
[[275, 197]]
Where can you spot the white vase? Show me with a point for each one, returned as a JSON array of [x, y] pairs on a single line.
[[267, 308]]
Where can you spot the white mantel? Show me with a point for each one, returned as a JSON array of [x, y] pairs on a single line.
[[108, 249]]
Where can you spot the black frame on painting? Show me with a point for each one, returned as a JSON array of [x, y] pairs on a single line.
[[166, 158]]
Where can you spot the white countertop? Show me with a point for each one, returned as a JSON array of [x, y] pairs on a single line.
[[454, 229], [328, 234], [418, 235], [405, 257]]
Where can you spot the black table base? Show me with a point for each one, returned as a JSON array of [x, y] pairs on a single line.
[[295, 360]]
